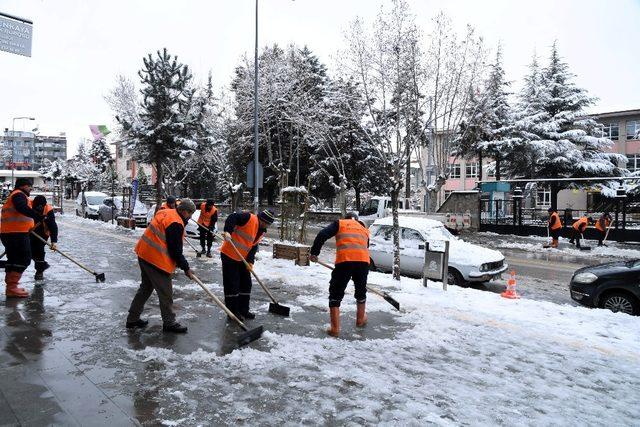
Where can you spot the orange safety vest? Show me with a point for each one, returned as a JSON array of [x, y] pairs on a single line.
[[581, 224], [602, 224], [351, 242], [45, 230], [205, 217], [152, 246], [244, 238], [12, 221], [557, 224], [163, 206]]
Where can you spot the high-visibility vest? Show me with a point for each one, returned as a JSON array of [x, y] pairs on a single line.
[[163, 206], [12, 221], [205, 217], [351, 242], [581, 224], [45, 230], [244, 238], [152, 246], [602, 224], [557, 224]]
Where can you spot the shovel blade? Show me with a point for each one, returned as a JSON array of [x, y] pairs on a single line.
[[392, 301], [100, 277], [279, 309], [585, 248], [250, 336]]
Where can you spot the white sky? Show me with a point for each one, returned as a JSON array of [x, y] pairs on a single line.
[[79, 46]]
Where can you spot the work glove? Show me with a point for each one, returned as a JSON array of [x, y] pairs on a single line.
[[313, 258], [227, 236], [54, 247], [189, 274]]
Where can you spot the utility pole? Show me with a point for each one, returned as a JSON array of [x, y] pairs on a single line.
[[256, 199]]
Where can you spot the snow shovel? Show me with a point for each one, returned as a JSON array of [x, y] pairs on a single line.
[[584, 248], [274, 307], [547, 245], [388, 298], [99, 276], [606, 236], [186, 239], [249, 335], [198, 254]]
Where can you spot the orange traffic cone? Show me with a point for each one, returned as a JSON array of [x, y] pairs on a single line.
[[510, 292]]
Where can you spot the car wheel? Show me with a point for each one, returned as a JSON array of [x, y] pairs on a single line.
[[620, 302], [455, 278], [372, 265]]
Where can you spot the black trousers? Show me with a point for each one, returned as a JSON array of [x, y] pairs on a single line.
[[236, 281], [601, 235], [38, 253], [153, 279], [345, 271], [576, 236], [18, 250], [555, 234], [205, 236]]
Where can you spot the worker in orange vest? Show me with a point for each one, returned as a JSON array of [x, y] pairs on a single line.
[[555, 225], [245, 230], [579, 227], [47, 228], [602, 225], [170, 203], [209, 220], [16, 221], [352, 263], [159, 252]]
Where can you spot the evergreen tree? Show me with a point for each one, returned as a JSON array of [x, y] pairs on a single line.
[[100, 154], [142, 177], [165, 129], [562, 141]]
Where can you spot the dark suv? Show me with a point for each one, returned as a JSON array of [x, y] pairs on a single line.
[[614, 285]]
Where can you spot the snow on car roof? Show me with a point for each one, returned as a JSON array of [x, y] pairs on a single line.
[[416, 223], [94, 193]]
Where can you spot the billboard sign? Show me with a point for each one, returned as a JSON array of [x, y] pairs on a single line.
[[15, 34]]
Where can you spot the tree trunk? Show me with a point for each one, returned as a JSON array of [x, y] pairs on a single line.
[[159, 177], [407, 178], [342, 199], [396, 234], [357, 189], [555, 189], [479, 165], [498, 168]]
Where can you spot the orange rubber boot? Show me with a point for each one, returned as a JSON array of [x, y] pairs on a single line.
[[361, 315], [334, 313], [13, 291]]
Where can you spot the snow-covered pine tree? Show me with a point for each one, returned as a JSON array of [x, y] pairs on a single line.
[[100, 154], [490, 129], [563, 141], [165, 128]]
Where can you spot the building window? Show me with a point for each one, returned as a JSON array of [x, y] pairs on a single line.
[[447, 193], [454, 171], [611, 130], [544, 197], [633, 129], [633, 163], [471, 170]]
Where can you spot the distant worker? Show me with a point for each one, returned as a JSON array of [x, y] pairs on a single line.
[[209, 220], [170, 203], [602, 225], [159, 251], [245, 230], [16, 221], [579, 227], [555, 226], [352, 263], [47, 228]]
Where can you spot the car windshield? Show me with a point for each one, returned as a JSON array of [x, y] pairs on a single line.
[[95, 200], [440, 233]]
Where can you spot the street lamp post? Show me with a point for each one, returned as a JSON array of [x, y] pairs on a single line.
[[13, 144], [256, 199]]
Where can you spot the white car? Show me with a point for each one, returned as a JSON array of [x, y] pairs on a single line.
[[112, 207], [467, 262], [89, 206]]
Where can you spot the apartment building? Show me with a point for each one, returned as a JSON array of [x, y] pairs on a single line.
[[28, 150]]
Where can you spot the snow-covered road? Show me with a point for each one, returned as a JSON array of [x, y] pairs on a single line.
[[461, 357]]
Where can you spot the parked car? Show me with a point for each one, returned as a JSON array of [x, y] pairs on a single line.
[[112, 207], [614, 286], [191, 228], [88, 208], [467, 262]]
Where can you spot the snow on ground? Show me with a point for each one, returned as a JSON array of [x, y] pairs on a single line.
[[456, 357], [535, 243]]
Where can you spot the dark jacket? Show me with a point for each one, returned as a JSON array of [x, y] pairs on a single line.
[[173, 234]]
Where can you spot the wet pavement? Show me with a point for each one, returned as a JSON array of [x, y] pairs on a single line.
[[67, 358]]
